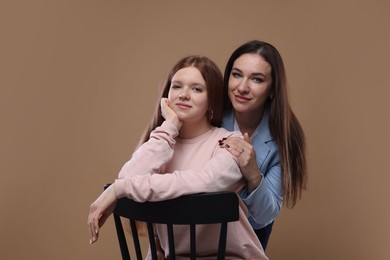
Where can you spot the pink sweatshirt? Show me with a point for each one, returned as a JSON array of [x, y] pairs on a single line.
[[167, 167]]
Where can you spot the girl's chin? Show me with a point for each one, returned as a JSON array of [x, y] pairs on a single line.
[[192, 120]]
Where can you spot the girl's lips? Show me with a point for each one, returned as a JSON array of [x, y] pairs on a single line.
[[183, 105]]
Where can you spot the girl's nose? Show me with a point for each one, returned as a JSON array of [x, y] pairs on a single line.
[[184, 94]]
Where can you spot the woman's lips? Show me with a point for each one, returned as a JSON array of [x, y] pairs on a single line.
[[241, 99]]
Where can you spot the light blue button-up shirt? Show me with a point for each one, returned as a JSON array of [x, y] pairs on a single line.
[[265, 201]]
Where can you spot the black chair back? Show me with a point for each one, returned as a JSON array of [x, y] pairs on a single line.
[[203, 208]]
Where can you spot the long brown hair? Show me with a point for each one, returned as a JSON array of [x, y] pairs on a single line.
[[284, 125], [214, 84]]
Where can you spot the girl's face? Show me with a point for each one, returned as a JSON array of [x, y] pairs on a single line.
[[249, 83], [188, 95]]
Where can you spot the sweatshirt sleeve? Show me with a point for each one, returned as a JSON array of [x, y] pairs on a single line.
[[153, 154], [218, 174]]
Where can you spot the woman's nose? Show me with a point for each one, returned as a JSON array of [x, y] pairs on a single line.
[[243, 87]]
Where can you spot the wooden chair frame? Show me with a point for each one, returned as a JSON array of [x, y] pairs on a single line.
[[203, 208]]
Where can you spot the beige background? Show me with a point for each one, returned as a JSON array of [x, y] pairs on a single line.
[[79, 82]]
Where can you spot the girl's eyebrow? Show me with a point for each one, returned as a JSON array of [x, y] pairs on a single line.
[[193, 84], [198, 85]]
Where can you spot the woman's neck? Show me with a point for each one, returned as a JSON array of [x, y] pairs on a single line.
[[248, 121], [190, 130]]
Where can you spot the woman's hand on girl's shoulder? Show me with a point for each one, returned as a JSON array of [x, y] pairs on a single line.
[[243, 150]]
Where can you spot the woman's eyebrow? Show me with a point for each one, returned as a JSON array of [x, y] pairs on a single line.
[[258, 74], [252, 74]]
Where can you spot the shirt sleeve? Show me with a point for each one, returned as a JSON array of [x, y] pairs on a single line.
[[265, 201], [218, 174], [153, 154]]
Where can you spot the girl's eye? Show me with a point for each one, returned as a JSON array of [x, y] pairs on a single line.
[[197, 89], [175, 86]]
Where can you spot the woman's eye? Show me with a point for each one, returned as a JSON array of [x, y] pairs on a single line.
[[175, 86], [258, 80], [236, 75]]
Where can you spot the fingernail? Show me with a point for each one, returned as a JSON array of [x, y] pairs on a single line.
[[227, 146]]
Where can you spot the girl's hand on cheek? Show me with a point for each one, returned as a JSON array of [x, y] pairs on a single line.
[[169, 114]]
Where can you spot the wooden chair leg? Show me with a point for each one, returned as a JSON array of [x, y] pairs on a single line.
[[137, 245], [193, 241], [152, 243], [171, 240], [222, 241], [121, 238]]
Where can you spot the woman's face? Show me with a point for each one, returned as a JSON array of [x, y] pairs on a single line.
[[188, 95], [249, 83]]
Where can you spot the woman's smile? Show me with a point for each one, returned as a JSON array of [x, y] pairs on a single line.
[[241, 99]]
